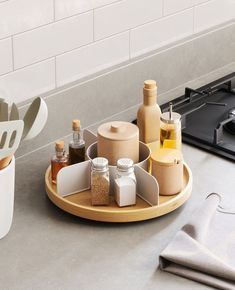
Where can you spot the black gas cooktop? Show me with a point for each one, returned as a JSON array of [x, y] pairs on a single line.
[[208, 116]]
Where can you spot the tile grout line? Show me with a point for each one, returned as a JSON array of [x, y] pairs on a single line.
[[55, 71], [93, 25], [126, 110], [58, 20], [143, 58], [12, 52], [54, 10], [87, 11], [194, 11], [130, 44], [201, 34]]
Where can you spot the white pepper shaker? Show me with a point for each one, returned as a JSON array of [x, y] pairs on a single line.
[[125, 183]]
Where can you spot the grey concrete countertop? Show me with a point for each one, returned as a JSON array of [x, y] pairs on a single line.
[[47, 248]]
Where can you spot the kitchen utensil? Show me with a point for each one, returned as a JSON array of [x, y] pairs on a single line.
[[10, 136], [5, 162], [118, 140], [14, 115], [167, 168], [3, 111], [7, 185], [35, 119]]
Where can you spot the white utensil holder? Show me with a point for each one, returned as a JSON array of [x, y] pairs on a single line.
[[7, 187]]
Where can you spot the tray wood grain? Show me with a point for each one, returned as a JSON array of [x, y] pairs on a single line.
[[79, 204]]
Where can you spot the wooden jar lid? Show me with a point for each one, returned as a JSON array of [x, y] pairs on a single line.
[[118, 130], [167, 157]]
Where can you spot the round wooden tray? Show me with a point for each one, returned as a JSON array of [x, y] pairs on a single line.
[[79, 204]]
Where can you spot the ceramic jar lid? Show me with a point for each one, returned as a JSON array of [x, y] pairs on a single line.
[[167, 157], [118, 130]]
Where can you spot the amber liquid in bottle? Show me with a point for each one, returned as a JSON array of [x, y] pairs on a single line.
[[77, 145], [76, 155], [58, 161]]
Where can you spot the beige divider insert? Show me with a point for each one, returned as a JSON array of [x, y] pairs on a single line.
[[76, 178]]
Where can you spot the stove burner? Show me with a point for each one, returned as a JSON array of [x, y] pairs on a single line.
[[230, 126], [208, 116]]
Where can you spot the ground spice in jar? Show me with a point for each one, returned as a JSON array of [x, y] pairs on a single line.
[[100, 181]]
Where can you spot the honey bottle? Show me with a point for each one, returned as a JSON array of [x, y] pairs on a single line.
[[59, 160], [148, 116], [77, 145]]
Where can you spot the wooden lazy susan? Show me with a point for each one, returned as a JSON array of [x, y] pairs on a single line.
[[79, 204]]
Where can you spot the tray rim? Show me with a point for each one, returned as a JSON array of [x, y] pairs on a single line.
[[124, 215]]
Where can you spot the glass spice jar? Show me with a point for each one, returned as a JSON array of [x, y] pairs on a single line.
[[100, 181]]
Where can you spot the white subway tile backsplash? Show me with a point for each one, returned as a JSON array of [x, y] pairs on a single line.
[[5, 56], [65, 8], [124, 15], [213, 13], [173, 6], [28, 82], [161, 32], [20, 15], [44, 43], [53, 39], [92, 58]]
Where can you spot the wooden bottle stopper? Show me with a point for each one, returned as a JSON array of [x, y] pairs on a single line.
[[76, 124], [150, 92], [59, 145], [150, 84]]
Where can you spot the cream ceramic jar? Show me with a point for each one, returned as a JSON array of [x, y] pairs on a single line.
[[167, 168], [117, 140]]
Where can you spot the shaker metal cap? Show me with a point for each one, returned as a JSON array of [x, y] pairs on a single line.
[[170, 117], [100, 163], [125, 164], [173, 119]]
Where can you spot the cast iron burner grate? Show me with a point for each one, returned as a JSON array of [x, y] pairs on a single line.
[[208, 116]]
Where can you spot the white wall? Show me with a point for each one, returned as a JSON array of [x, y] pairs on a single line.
[[48, 43]]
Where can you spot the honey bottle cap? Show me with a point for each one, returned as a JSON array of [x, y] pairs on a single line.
[[76, 124], [59, 145]]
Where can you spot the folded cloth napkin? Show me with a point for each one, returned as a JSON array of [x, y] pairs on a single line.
[[204, 249]]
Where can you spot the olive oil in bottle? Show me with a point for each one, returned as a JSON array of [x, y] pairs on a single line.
[[59, 160], [77, 145], [170, 130]]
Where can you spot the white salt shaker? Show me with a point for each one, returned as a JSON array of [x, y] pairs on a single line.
[[125, 183]]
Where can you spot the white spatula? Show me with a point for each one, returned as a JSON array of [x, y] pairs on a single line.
[[10, 136]]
